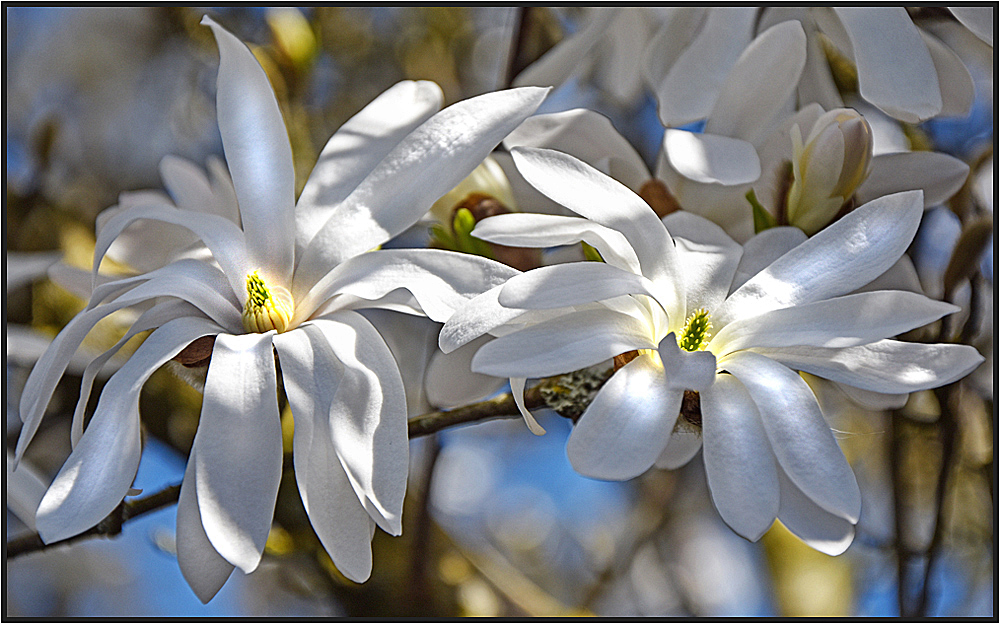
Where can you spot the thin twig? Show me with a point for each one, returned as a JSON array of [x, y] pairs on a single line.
[[502, 406], [902, 553], [420, 594]]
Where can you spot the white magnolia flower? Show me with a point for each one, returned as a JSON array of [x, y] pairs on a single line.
[[285, 277], [708, 321]]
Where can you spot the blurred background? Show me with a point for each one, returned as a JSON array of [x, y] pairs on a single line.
[[496, 522]]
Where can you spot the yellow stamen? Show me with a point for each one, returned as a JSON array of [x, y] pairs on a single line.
[[696, 331], [266, 308]]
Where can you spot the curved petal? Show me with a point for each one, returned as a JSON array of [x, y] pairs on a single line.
[[873, 400], [517, 391], [980, 20], [846, 255], [98, 473], [886, 366], [359, 146], [840, 322], [413, 342], [238, 448], [556, 65], [763, 249], [421, 168], [760, 84], [708, 255], [800, 437], [535, 230], [711, 158], [597, 197], [938, 175], [24, 268], [683, 369], [957, 89], [691, 86], [740, 466], [312, 376], [585, 134], [826, 532], [481, 315], [911, 93], [566, 343], [683, 445], [441, 281], [259, 156], [25, 487], [203, 567], [367, 416], [627, 425], [450, 382], [573, 283]]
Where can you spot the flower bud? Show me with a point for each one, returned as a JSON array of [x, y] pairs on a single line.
[[827, 167]]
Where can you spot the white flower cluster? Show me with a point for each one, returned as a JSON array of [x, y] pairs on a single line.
[[786, 255]]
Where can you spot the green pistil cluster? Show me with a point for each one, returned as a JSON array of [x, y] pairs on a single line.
[[697, 331], [257, 292]]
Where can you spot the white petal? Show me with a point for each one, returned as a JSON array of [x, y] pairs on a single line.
[[203, 568], [535, 230], [683, 369], [957, 89], [980, 20], [585, 134], [627, 425], [441, 281], [517, 391], [887, 366], [820, 529], [425, 165], [238, 448], [763, 249], [482, 314], [597, 197], [910, 92], [187, 184], [693, 83], [874, 400], [574, 283], [742, 474], [800, 437], [760, 83], [413, 341], [99, 471], [938, 175], [359, 146], [683, 445], [708, 255], [842, 257], [839, 322], [312, 376], [367, 416], [450, 381], [711, 158], [259, 156], [24, 268], [615, 70], [556, 65], [679, 27], [567, 343], [25, 487]]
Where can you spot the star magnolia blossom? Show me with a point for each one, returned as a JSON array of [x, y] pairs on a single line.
[[289, 280], [703, 314]]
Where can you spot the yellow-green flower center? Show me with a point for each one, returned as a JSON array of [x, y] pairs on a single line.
[[267, 307], [697, 331]]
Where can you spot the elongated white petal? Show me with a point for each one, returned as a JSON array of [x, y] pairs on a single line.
[[312, 375], [763, 249], [690, 88], [99, 471], [187, 184], [441, 281], [980, 20], [887, 366], [450, 382], [873, 400], [938, 175], [413, 341], [679, 26], [517, 391], [842, 257], [368, 415], [358, 147], [586, 135], [739, 463], [259, 156], [222, 237], [425, 165], [911, 94], [535, 230], [567, 343], [24, 268], [957, 88], [800, 437], [711, 158], [203, 567], [820, 529], [592, 195], [708, 255], [556, 65], [482, 314], [840, 322], [627, 425], [683, 445], [574, 283], [760, 83], [239, 442], [25, 489]]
